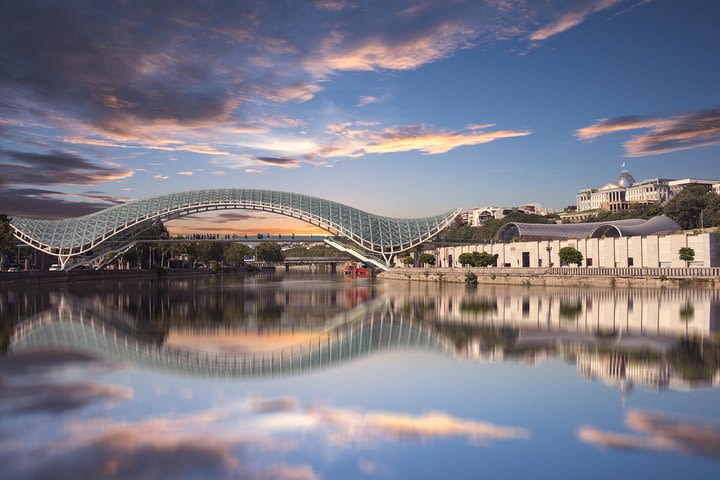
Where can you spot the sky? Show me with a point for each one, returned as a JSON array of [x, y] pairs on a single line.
[[403, 108]]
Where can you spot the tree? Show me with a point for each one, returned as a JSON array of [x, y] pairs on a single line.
[[427, 259], [482, 259], [269, 252], [408, 260], [465, 259], [685, 207], [686, 254], [570, 255], [7, 242], [234, 254]]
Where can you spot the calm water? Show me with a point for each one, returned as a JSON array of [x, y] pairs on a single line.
[[318, 376]]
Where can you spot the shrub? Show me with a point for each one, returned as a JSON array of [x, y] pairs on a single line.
[[471, 278], [427, 259], [570, 255]]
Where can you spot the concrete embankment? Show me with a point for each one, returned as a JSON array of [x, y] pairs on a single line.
[[538, 277], [8, 279]]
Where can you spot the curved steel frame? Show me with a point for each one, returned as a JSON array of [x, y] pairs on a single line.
[[619, 228], [77, 236]]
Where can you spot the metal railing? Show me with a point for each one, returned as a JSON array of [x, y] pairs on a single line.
[[669, 272], [665, 272]]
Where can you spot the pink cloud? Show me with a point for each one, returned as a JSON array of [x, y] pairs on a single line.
[[572, 18], [664, 134]]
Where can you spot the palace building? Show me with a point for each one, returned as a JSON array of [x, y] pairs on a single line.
[[625, 192]]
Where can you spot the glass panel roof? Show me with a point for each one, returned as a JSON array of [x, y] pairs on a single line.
[[380, 232]]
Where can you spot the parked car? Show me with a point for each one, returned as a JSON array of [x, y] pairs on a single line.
[[13, 269], [55, 268]]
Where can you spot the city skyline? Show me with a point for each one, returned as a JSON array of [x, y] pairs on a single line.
[[407, 110]]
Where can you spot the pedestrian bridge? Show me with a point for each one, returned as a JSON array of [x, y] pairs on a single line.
[[369, 328], [370, 237]]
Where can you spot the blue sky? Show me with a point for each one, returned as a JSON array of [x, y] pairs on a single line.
[[403, 108]]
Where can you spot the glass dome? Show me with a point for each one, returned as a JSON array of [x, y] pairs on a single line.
[[625, 179]]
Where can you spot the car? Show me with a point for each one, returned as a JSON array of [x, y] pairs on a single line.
[[13, 270], [55, 268]]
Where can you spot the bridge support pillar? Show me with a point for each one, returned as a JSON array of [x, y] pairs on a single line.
[[287, 267]]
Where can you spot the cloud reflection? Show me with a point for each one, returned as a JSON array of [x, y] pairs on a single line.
[[28, 383], [663, 432], [233, 438]]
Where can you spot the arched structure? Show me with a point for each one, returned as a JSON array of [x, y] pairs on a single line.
[[89, 235], [619, 228], [356, 334]]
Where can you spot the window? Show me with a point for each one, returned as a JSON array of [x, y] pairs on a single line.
[[588, 262], [631, 262]]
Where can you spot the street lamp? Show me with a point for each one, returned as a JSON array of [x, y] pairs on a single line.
[[549, 250]]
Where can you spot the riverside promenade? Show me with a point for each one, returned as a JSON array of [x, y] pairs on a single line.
[[566, 276]]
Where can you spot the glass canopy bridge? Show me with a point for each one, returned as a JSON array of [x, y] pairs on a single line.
[[371, 238]]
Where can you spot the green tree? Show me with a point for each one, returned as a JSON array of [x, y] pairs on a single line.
[[408, 260], [686, 254], [7, 241], [269, 252], [570, 255], [427, 259], [482, 259], [711, 213], [234, 254], [465, 259], [685, 207]]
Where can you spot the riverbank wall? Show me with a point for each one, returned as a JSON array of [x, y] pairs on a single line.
[[541, 277], [24, 279]]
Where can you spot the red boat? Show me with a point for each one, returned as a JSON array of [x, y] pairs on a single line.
[[356, 269]]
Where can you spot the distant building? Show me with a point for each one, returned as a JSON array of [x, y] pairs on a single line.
[[625, 192], [476, 217]]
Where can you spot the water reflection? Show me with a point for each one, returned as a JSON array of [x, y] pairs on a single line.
[[267, 326], [452, 381]]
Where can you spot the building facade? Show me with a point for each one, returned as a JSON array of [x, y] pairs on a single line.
[[625, 192], [652, 251]]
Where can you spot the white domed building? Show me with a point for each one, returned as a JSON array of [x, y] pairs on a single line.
[[626, 191]]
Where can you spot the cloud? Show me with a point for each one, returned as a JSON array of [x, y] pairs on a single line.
[[416, 49], [297, 92], [218, 218], [356, 139], [332, 5], [54, 168], [160, 177], [662, 432], [186, 173], [100, 142], [182, 77], [277, 162], [664, 134], [572, 18], [430, 142], [51, 204], [367, 100], [217, 172]]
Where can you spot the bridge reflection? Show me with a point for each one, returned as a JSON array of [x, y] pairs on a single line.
[[371, 327]]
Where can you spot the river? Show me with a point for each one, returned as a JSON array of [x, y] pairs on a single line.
[[315, 375]]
